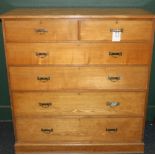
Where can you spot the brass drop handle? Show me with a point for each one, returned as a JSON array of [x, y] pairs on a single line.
[[115, 54], [116, 30], [43, 78], [114, 78], [111, 130], [46, 130], [41, 31], [113, 104], [41, 54], [45, 105]]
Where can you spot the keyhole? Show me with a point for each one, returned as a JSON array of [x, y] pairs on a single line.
[[116, 22], [40, 22]]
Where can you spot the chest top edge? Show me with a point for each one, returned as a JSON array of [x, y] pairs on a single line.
[[100, 13]]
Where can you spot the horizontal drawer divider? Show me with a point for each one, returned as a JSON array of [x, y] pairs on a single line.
[[80, 41], [74, 144], [78, 65], [83, 91], [89, 90], [77, 116]]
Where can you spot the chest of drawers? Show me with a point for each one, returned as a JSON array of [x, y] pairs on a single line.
[[78, 78]]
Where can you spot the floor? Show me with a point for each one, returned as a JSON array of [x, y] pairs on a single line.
[[7, 138]]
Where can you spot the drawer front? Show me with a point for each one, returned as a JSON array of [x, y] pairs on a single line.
[[71, 53], [103, 29], [69, 78], [101, 103], [79, 130], [40, 30]]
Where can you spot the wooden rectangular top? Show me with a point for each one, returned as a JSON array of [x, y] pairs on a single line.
[[112, 13]]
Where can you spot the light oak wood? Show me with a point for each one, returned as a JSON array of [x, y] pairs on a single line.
[[56, 130], [77, 75], [77, 53], [101, 30], [31, 104], [40, 30], [63, 78], [80, 148], [106, 13]]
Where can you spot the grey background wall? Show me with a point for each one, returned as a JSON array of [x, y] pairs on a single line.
[[5, 111]]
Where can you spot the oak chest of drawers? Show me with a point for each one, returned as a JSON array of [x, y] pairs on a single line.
[[78, 78]]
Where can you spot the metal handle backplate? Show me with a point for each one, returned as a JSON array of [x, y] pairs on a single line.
[[41, 54], [115, 54], [43, 78], [113, 104], [116, 30], [45, 105], [111, 130], [47, 130], [41, 31], [114, 78]]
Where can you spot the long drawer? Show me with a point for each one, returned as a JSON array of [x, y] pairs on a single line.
[[41, 30], [74, 53], [103, 29], [63, 78], [69, 103], [53, 130]]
